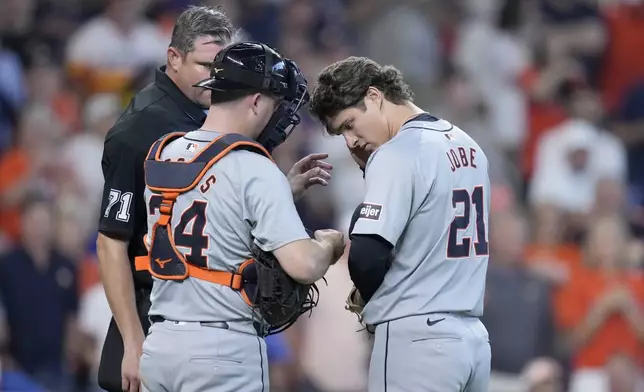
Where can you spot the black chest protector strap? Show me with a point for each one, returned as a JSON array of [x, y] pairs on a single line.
[[171, 179]]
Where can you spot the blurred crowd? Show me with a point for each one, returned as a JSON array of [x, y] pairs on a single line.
[[553, 91]]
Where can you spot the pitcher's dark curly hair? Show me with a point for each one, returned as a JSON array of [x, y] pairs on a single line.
[[344, 84]]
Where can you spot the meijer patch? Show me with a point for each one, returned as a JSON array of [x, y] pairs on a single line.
[[370, 211]]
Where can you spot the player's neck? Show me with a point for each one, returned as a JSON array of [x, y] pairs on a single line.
[[222, 121], [400, 114]]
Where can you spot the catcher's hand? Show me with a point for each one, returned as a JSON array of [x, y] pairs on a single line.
[[355, 303]]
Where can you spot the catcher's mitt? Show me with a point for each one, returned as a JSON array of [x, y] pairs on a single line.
[[278, 298]]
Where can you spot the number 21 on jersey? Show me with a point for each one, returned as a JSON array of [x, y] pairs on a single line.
[[462, 249]]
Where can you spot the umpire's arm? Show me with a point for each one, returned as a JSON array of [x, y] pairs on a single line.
[[116, 228]]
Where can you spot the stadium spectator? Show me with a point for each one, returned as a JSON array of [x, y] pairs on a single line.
[[572, 157], [107, 51], [511, 289], [601, 311], [27, 167], [38, 289]]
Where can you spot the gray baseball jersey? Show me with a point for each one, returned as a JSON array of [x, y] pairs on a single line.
[[243, 197], [428, 194]]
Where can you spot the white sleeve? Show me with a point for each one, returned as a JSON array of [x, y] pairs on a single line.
[[387, 206], [268, 204]]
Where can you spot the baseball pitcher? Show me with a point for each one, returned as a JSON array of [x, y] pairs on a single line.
[[419, 249]]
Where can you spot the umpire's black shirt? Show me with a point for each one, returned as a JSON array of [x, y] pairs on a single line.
[[158, 109]]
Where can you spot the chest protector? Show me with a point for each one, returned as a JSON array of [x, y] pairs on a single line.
[[261, 281], [170, 179]]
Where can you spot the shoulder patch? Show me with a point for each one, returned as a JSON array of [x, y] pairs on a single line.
[[370, 211]]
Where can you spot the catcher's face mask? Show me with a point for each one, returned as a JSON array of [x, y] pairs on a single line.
[[255, 67], [285, 118]]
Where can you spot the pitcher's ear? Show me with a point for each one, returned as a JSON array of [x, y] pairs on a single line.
[[374, 95]]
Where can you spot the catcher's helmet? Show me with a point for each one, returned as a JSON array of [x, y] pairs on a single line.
[[256, 67]]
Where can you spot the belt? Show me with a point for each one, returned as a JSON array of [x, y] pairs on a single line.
[[211, 324]]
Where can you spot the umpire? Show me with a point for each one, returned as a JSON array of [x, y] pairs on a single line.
[[170, 103]]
